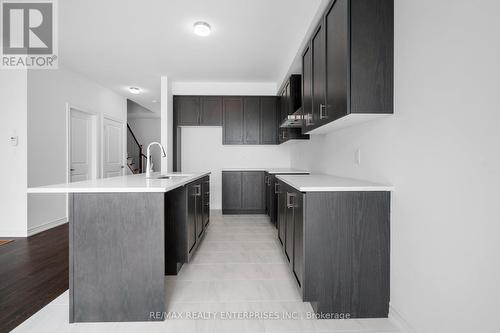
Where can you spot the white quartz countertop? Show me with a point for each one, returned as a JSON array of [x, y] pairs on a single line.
[[327, 183], [132, 183], [273, 171]]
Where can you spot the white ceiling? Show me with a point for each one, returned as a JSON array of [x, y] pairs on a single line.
[[122, 43]]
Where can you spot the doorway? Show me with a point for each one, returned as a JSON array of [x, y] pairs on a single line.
[[82, 145], [112, 148]]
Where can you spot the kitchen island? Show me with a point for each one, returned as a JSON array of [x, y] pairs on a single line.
[[117, 243]]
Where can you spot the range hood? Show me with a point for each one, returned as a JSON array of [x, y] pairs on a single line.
[[294, 120]]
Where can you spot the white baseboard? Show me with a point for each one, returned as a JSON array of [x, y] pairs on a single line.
[[399, 321], [12, 234], [46, 226]]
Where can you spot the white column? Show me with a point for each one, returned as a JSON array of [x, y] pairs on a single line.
[[166, 122]]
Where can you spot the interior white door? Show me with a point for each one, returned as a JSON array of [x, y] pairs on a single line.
[[113, 159], [81, 147]]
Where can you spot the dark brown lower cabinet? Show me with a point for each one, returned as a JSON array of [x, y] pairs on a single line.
[[282, 210], [272, 191], [191, 220], [187, 217], [298, 237], [289, 224], [200, 226], [338, 247], [267, 185], [243, 192], [205, 190]]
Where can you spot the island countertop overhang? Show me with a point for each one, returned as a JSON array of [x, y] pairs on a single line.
[[124, 184]]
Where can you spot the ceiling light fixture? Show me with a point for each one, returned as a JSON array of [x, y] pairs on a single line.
[[134, 90], [154, 101], [202, 28]]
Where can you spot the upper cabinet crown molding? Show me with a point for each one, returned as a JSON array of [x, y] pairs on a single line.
[[348, 65]]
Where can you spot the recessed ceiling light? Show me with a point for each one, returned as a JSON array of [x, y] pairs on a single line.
[[134, 90], [202, 28], [154, 101]]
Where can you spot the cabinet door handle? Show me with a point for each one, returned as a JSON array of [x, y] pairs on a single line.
[[322, 112], [276, 188], [289, 199]]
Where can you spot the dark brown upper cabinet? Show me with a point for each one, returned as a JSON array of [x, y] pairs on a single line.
[[318, 78], [337, 60], [211, 111], [290, 96], [307, 78], [286, 105], [187, 110], [233, 120], [269, 120], [351, 56], [251, 123], [198, 110], [290, 102], [245, 120]]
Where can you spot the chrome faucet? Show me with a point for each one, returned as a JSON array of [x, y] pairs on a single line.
[[148, 157]]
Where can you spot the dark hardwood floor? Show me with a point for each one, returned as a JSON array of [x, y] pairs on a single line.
[[33, 272]]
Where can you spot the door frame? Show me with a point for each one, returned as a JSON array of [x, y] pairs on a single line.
[[124, 142]]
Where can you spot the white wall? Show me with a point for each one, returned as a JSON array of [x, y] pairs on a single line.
[[13, 170], [136, 110], [48, 93], [147, 130], [202, 150], [441, 150]]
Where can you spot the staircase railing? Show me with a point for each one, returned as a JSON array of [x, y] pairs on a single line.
[[140, 154]]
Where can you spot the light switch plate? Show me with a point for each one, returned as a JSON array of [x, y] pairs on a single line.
[[13, 141]]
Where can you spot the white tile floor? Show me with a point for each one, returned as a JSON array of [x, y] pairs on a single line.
[[239, 269]]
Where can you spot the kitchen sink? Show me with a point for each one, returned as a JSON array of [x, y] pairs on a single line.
[[162, 177], [169, 176]]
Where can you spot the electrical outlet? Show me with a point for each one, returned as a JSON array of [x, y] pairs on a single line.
[[357, 157]]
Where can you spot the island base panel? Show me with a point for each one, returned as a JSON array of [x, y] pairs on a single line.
[[116, 256]]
